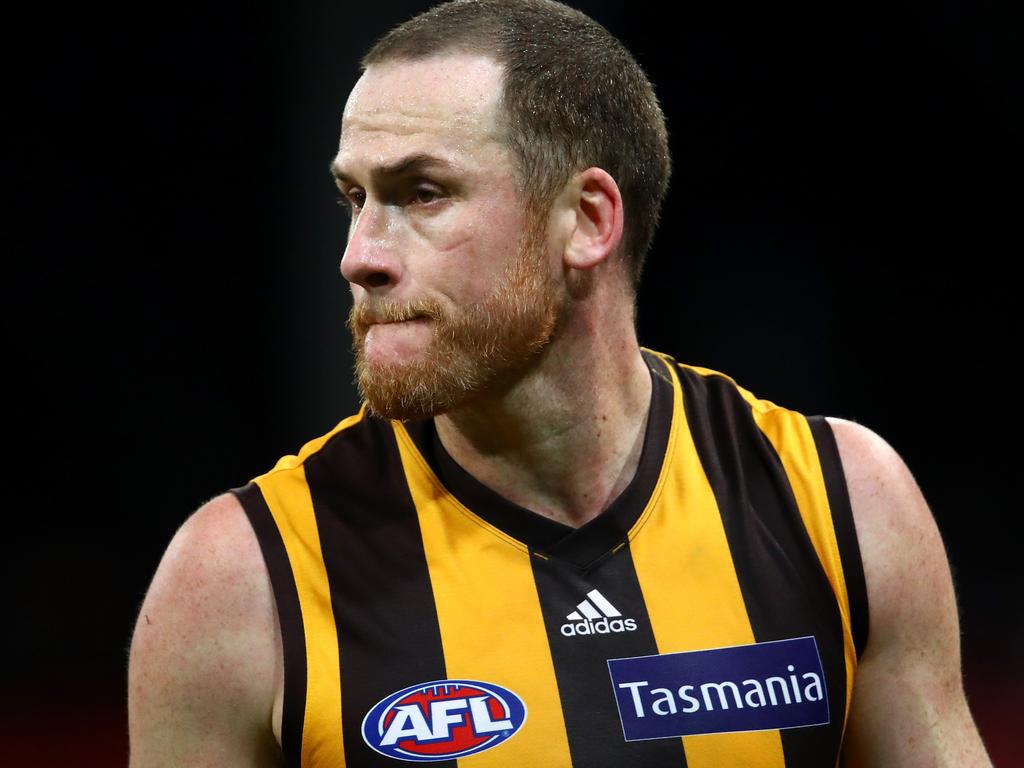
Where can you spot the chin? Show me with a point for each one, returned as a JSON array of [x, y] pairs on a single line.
[[410, 389]]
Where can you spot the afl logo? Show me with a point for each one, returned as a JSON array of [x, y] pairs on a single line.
[[443, 719]]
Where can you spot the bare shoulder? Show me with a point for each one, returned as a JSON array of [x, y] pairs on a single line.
[[905, 564], [203, 665], [895, 527], [908, 706]]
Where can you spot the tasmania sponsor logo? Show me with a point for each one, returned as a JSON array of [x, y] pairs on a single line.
[[443, 719], [596, 616], [756, 687]]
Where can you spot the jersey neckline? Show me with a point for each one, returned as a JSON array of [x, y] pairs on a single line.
[[581, 546]]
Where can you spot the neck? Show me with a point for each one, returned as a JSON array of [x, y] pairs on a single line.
[[565, 439]]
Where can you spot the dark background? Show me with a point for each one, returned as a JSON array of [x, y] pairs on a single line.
[[839, 237]]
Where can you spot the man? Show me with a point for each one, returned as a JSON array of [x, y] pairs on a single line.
[[538, 543]]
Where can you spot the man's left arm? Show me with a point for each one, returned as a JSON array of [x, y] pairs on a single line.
[[909, 707]]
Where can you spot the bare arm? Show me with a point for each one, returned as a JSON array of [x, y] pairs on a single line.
[[909, 708], [203, 669]]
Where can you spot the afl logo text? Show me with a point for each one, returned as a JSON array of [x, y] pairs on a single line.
[[443, 719]]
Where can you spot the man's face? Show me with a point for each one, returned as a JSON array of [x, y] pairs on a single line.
[[455, 291]]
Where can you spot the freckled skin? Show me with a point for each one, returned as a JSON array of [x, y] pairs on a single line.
[[908, 706]]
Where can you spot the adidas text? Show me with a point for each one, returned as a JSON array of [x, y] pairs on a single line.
[[599, 627]]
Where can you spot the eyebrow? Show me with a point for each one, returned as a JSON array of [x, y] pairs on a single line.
[[410, 164]]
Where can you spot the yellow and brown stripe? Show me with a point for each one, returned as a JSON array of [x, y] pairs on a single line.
[[728, 539], [393, 567]]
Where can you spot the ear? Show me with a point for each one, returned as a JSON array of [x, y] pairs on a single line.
[[595, 208]]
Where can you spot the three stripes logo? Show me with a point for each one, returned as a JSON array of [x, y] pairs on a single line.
[[596, 616]]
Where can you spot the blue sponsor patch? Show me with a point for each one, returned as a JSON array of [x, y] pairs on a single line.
[[757, 687]]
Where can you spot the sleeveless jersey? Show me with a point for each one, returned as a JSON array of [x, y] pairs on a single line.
[[711, 617]]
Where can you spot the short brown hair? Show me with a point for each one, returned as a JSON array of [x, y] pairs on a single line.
[[574, 98]]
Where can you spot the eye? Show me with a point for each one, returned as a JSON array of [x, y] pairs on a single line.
[[427, 195], [352, 200]]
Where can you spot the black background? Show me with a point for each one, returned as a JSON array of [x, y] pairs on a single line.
[[839, 237]]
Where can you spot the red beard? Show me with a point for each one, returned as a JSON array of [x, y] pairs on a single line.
[[482, 346]]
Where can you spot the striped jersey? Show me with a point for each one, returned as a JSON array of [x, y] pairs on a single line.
[[711, 617]]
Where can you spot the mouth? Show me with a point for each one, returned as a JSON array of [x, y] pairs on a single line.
[[413, 319]]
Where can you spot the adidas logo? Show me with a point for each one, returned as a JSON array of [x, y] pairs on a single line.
[[596, 616]]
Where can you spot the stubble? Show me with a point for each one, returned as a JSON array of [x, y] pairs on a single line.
[[475, 349]]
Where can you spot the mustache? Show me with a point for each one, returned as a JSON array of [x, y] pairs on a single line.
[[377, 310]]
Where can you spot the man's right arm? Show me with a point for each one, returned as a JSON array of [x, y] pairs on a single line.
[[204, 664]]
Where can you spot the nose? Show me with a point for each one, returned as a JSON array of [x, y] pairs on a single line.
[[370, 259]]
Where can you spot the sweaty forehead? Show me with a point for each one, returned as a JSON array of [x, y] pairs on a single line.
[[449, 101]]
